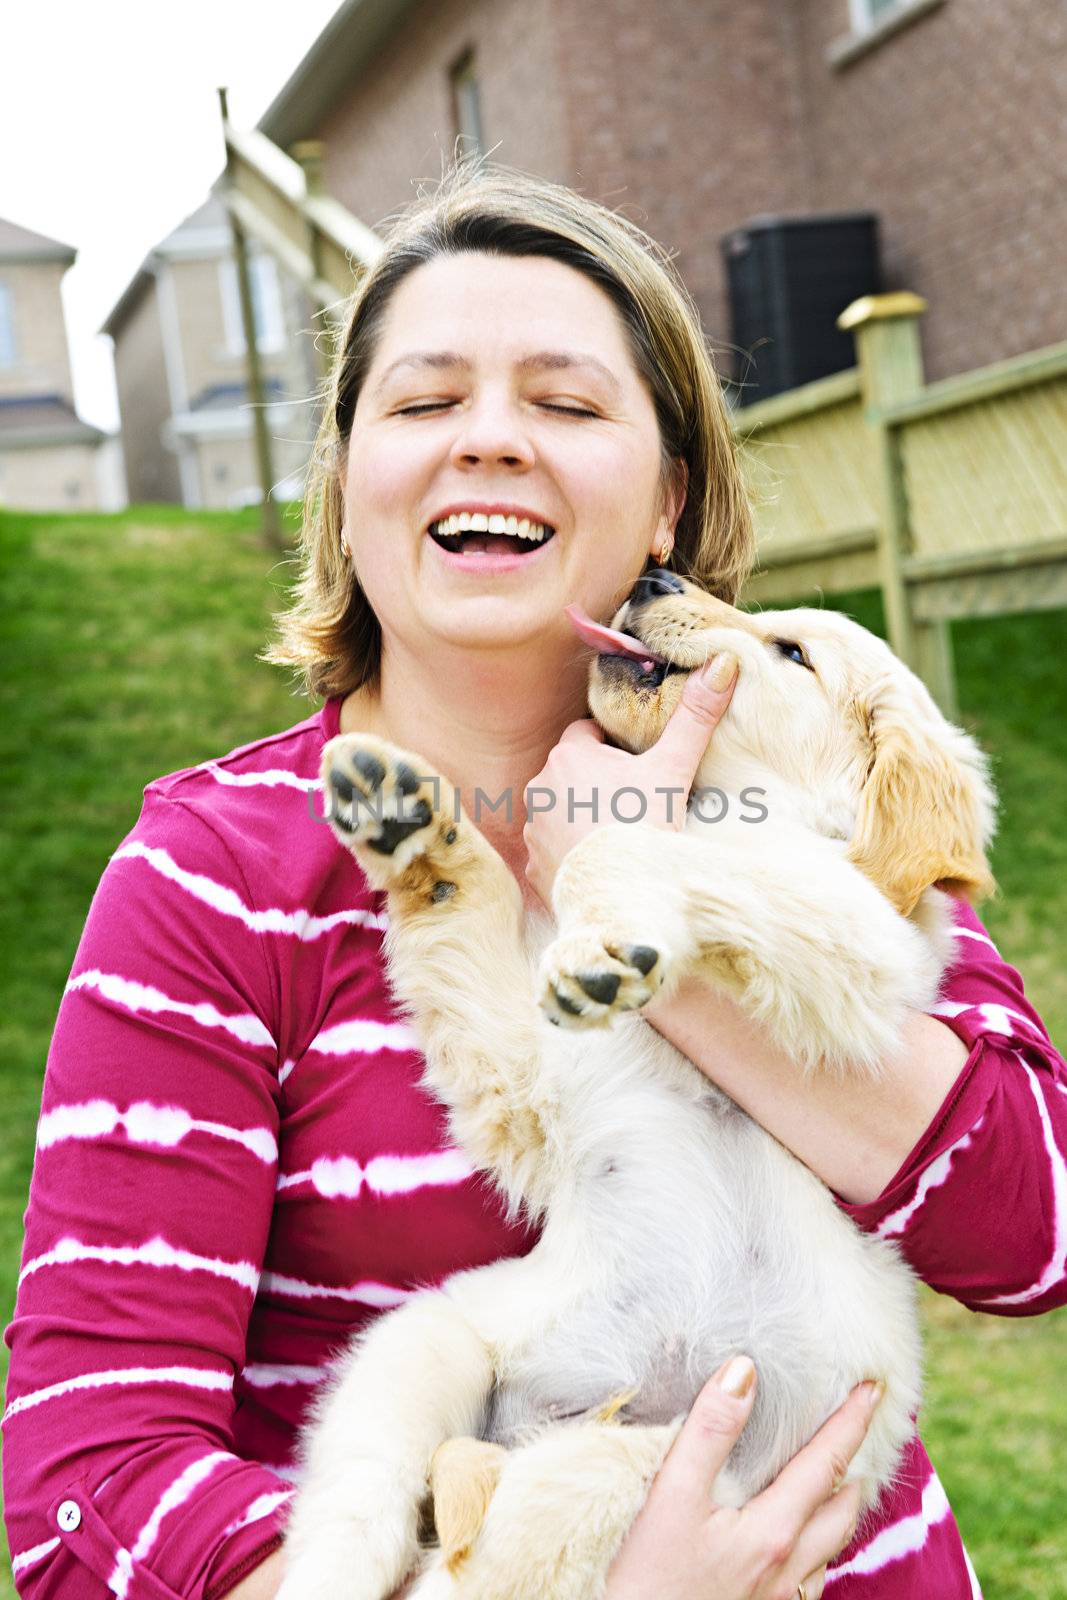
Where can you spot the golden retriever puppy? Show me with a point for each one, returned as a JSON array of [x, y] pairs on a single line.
[[537, 1397]]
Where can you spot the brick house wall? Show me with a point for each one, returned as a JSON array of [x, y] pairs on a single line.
[[698, 115]]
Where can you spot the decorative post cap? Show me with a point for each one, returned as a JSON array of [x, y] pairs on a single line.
[[880, 308]]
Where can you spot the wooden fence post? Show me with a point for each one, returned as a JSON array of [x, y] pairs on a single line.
[[889, 356], [260, 432], [309, 154]]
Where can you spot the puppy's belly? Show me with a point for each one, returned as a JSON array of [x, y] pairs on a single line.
[[693, 1239]]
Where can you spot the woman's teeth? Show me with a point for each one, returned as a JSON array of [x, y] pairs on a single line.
[[473, 531]]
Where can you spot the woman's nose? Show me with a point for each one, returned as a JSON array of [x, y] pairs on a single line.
[[492, 432]]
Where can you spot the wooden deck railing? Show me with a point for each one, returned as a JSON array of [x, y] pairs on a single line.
[[951, 496]]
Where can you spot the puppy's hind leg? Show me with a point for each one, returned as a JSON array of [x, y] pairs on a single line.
[[559, 1513], [420, 1376]]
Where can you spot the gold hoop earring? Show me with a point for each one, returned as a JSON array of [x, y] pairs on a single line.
[[345, 551], [664, 552]]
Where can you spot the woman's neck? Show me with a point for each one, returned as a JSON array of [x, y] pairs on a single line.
[[486, 720]]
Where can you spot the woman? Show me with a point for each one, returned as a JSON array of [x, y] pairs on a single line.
[[236, 1166]]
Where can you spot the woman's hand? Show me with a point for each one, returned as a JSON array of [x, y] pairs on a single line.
[[582, 769], [682, 1548]]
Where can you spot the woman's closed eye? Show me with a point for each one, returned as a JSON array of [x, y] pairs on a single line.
[[423, 408]]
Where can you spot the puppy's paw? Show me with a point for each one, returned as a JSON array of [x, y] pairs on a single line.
[[386, 808], [590, 975]]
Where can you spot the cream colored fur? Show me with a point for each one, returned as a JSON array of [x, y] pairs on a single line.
[[675, 1231]]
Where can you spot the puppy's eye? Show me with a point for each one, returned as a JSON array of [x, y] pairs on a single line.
[[794, 652]]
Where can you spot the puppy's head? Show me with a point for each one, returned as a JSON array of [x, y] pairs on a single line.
[[825, 707]]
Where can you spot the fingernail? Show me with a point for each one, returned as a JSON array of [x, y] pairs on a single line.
[[738, 1377], [721, 671], [872, 1393]]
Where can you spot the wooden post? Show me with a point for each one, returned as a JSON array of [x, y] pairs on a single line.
[[308, 154], [260, 432], [889, 356]]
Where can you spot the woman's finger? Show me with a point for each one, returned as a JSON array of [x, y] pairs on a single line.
[[584, 731], [809, 1479], [814, 1585], [705, 697], [708, 1434], [826, 1534]]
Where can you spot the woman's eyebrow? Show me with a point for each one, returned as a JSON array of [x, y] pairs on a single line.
[[437, 359], [541, 361], [560, 360]]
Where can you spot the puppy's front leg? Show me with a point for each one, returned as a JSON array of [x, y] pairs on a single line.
[[456, 958], [792, 930]]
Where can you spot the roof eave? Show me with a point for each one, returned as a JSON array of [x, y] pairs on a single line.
[[348, 41]]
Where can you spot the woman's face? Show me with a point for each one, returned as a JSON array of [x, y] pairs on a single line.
[[501, 387]]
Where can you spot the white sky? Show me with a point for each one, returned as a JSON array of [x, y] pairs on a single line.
[[110, 134]]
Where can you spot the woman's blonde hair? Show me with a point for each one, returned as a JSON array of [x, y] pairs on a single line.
[[330, 632]]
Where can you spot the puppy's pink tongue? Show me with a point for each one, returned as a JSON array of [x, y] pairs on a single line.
[[605, 641]]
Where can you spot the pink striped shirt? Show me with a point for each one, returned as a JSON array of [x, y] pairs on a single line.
[[236, 1168]]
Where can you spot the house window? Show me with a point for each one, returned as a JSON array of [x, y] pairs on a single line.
[[266, 304], [8, 349], [867, 14], [467, 105]]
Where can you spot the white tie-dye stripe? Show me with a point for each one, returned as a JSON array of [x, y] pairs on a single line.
[[119, 1581], [365, 1293], [261, 1507], [37, 1552], [121, 1377], [175, 1495], [221, 898], [272, 778], [268, 1375], [903, 1538], [972, 933], [135, 996], [363, 1037], [933, 1177], [993, 1014], [341, 1177], [156, 1253], [145, 1123], [1057, 1264]]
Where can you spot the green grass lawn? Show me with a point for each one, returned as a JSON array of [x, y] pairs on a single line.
[[127, 649]]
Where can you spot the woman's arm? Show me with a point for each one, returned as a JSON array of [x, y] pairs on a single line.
[[959, 1154], [150, 1205], [854, 1134]]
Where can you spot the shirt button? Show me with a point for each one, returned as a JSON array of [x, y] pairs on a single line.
[[69, 1516]]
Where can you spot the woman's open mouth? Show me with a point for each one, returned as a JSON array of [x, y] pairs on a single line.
[[475, 533]]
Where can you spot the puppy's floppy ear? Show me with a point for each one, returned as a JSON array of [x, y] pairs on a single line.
[[926, 810]]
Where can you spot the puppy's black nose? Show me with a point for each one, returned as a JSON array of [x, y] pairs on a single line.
[[655, 583]]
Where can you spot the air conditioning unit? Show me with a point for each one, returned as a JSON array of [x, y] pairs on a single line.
[[789, 279]]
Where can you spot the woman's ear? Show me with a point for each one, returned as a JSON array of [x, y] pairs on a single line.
[[677, 488], [927, 809]]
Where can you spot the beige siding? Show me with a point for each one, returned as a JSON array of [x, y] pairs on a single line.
[[42, 364], [144, 404], [208, 358], [49, 478], [227, 468]]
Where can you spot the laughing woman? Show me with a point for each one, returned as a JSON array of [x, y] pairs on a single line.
[[236, 1165]]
